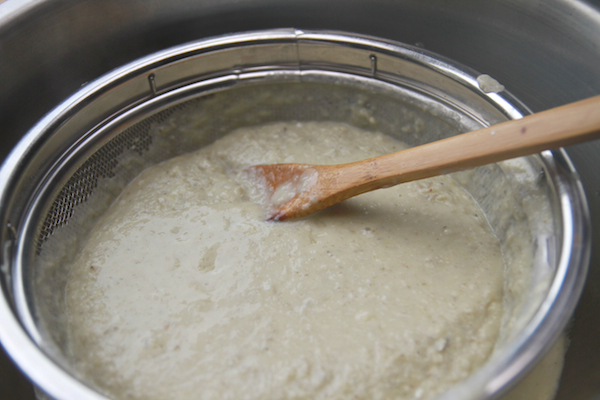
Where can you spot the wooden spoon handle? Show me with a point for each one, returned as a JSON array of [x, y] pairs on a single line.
[[562, 126]]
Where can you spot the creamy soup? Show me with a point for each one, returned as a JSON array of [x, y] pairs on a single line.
[[184, 291]]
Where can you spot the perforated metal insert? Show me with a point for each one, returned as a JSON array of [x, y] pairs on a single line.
[[101, 164]]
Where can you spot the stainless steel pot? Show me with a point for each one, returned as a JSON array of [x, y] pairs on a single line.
[[480, 32]]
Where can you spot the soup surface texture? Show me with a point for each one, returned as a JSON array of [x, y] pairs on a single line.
[[183, 290]]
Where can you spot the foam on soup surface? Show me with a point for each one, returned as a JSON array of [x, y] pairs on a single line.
[[184, 291]]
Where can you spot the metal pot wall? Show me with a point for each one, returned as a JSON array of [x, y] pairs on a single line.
[[545, 52]]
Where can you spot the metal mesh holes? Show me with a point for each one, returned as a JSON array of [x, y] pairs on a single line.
[[102, 164]]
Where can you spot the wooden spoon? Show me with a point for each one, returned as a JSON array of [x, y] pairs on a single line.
[[296, 190]]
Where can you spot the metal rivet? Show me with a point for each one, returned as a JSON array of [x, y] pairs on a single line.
[[152, 82], [12, 232], [373, 64]]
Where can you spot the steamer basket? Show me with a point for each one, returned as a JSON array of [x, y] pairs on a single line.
[[67, 170]]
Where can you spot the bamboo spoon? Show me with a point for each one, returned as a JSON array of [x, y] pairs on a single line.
[[296, 190]]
